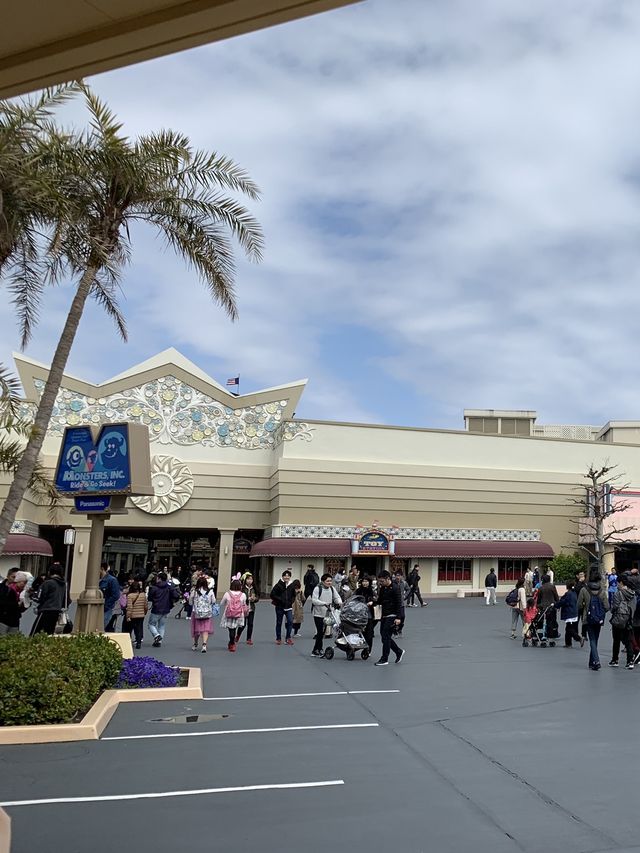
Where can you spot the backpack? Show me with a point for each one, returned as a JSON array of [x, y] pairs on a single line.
[[235, 607], [202, 606], [623, 615], [596, 611], [512, 598]]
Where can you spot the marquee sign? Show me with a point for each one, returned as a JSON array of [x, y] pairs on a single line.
[[111, 461], [373, 541]]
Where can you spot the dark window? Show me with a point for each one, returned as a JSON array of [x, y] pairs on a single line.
[[511, 570], [454, 571]]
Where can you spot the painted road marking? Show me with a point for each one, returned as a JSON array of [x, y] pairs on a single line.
[[162, 794], [293, 695], [246, 731]]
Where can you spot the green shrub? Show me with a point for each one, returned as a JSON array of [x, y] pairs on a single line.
[[565, 566], [54, 680]]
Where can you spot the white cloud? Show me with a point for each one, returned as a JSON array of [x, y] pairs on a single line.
[[452, 186]]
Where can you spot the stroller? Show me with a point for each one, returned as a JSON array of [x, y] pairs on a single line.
[[543, 630], [347, 627]]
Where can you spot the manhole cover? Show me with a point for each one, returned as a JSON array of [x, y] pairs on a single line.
[[190, 718]]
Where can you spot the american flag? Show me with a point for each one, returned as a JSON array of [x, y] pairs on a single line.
[[235, 381]]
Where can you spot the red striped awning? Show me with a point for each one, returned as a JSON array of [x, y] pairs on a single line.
[[279, 547], [409, 548], [492, 549], [19, 544]]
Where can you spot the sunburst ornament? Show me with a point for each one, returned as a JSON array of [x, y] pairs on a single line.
[[172, 483]]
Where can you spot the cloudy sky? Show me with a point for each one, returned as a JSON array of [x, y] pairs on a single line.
[[451, 204]]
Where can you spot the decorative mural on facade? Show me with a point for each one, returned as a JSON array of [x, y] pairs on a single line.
[[305, 531], [178, 414], [172, 483]]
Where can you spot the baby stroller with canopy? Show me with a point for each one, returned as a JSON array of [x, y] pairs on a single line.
[[544, 628], [348, 625]]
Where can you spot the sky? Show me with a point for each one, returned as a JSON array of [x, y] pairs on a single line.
[[451, 209]]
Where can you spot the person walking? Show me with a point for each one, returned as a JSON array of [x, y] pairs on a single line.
[[490, 587], [11, 606], [623, 605], [282, 599], [135, 610], [52, 600], [405, 592], [252, 598], [162, 596], [322, 597], [298, 607], [110, 589], [390, 602], [546, 600], [310, 581], [568, 607], [518, 604], [528, 582], [592, 606], [365, 590], [414, 583], [234, 607], [202, 600]]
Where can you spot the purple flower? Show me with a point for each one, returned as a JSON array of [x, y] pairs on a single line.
[[147, 672]]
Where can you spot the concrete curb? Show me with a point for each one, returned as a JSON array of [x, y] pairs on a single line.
[[97, 717]]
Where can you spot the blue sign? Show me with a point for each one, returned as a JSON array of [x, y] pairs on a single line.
[[374, 542], [88, 466], [102, 503]]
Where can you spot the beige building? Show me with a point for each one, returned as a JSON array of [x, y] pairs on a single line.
[[240, 482]]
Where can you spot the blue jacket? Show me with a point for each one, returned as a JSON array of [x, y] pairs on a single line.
[[162, 597], [568, 605], [110, 589]]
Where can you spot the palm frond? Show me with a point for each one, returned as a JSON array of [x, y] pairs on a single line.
[[103, 293], [10, 398]]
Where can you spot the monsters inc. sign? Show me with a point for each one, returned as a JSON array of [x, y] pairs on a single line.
[[113, 461]]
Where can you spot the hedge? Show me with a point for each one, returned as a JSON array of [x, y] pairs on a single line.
[[54, 679]]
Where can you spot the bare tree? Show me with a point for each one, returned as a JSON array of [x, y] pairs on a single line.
[[600, 501]]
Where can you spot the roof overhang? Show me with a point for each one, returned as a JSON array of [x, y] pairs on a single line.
[[61, 40], [406, 548], [18, 544]]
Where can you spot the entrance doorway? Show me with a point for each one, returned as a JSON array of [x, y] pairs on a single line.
[[369, 565]]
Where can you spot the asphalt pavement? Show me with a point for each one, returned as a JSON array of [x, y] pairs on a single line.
[[472, 743]]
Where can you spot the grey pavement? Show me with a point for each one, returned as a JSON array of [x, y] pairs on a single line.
[[487, 746]]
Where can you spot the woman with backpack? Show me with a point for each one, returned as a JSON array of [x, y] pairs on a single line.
[[234, 607], [202, 601], [592, 605]]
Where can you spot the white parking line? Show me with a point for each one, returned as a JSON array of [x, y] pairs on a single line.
[[293, 695], [161, 794], [245, 731]]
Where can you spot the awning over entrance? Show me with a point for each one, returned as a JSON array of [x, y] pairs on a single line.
[[21, 544], [499, 549], [280, 547], [409, 548]]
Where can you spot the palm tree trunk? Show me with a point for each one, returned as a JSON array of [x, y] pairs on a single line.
[[45, 407]]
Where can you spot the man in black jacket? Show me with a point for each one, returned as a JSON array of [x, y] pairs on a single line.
[[282, 596], [310, 580], [414, 582], [52, 599], [390, 602], [490, 586]]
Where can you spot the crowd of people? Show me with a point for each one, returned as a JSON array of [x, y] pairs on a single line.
[[583, 608], [386, 597], [47, 593]]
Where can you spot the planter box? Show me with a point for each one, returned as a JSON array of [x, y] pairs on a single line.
[[97, 717]]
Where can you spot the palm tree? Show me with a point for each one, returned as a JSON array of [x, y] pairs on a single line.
[[109, 183], [13, 430]]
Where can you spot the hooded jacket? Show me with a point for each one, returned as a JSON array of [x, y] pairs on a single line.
[[547, 594], [623, 605], [283, 595], [162, 596], [592, 588], [633, 582], [10, 607], [53, 594], [110, 589]]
